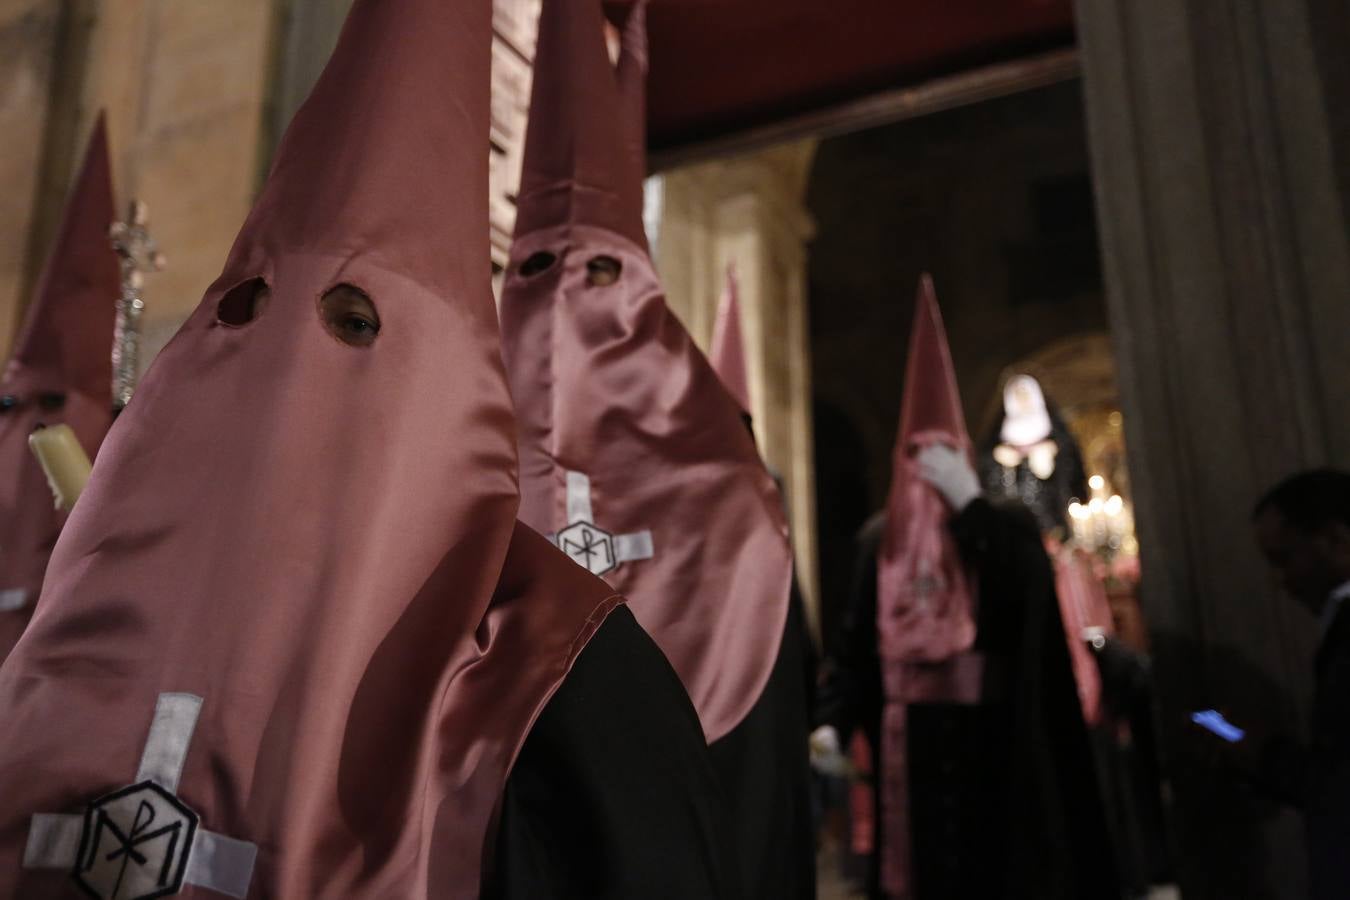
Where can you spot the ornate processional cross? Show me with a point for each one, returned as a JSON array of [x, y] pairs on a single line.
[[137, 253]]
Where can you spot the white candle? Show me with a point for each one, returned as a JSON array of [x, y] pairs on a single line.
[[63, 460]]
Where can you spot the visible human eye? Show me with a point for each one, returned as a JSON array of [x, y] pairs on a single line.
[[350, 316]]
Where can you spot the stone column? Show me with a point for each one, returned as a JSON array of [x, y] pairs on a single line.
[[750, 211], [1214, 145], [183, 86]]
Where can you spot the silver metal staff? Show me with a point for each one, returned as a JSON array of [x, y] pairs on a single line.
[[137, 252]]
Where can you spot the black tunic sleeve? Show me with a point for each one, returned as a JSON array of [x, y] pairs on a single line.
[[1301, 774], [1315, 776], [763, 769], [613, 795], [1002, 544], [849, 695]]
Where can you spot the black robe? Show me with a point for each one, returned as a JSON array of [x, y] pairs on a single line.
[[764, 769], [1004, 800], [613, 795], [1314, 776]]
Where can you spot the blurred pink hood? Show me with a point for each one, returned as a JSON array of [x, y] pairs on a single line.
[[64, 350]]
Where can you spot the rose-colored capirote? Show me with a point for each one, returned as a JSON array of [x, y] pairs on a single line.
[[925, 596], [610, 388], [318, 539]]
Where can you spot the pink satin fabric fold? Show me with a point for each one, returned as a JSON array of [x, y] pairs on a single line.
[[324, 575], [609, 384]]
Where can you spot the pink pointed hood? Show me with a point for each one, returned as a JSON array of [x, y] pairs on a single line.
[[728, 348], [924, 598], [579, 145], [297, 572], [61, 372], [632, 453], [66, 335], [631, 73]]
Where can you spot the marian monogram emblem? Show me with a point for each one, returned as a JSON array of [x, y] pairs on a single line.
[[589, 545], [135, 844]]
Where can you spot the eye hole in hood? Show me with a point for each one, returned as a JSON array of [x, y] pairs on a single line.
[[538, 262], [243, 303]]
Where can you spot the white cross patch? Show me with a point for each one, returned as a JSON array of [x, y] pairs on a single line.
[[142, 841], [589, 545]]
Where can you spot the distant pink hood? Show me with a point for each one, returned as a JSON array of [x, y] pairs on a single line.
[[925, 597], [727, 353], [65, 350], [925, 602]]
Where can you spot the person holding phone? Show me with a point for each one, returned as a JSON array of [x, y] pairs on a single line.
[[1303, 529]]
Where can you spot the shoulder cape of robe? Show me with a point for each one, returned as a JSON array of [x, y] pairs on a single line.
[[613, 795]]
